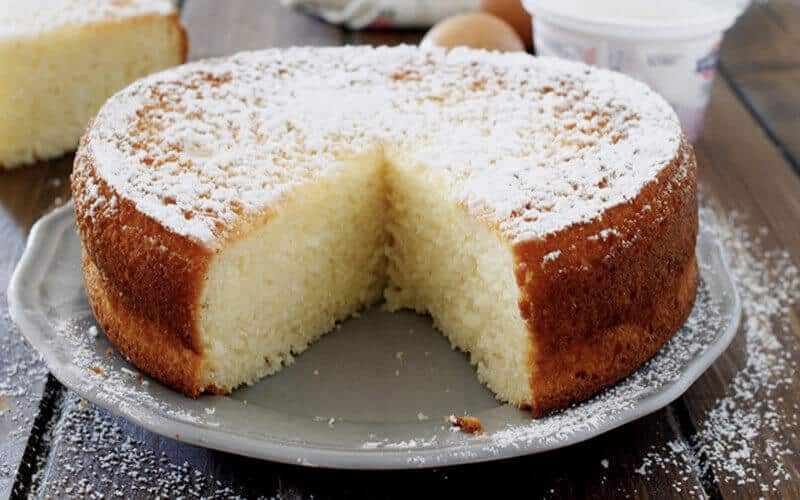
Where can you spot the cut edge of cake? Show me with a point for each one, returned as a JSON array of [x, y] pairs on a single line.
[[460, 270], [370, 230], [320, 253]]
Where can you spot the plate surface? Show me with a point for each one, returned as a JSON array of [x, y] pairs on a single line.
[[372, 395]]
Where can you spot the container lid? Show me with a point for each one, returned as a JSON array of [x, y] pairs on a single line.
[[642, 19]]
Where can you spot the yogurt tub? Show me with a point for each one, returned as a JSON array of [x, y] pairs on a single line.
[[671, 46]]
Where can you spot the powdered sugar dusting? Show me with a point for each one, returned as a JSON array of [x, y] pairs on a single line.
[[607, 233], [26, 18], [532, 144], [551, 256]]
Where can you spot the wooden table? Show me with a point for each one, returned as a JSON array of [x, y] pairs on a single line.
[[749, 156]]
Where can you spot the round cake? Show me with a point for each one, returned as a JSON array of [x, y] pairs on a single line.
[[543, 212], [61, 59]]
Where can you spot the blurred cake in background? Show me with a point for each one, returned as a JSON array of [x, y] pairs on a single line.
[[61, 59]]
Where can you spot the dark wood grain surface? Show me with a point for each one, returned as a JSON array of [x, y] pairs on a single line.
[[25, 195], [762, 61], [53, 444]]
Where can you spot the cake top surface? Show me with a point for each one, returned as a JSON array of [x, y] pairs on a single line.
[[19, 18], [532, 145]]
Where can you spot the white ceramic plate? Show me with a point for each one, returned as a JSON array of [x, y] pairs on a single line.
[[373, 395]]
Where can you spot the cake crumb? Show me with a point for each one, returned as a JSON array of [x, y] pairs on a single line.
[[397, 373], [421, 417], [399, 355], [93, 331], [470, 425], [331, 422], [98, 370], [316, 372], [211, 410]]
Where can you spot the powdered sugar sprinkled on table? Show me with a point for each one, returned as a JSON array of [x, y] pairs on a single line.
[[99, 457], [743, 434]]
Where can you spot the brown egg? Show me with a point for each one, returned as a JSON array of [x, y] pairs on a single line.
[[512, 12], [475, 29]]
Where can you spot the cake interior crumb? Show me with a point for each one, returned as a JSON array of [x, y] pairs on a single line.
[[468, 424]]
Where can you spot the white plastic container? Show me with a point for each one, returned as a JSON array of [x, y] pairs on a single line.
[[672, 46]]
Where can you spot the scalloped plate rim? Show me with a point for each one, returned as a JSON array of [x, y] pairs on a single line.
[[288, 452]]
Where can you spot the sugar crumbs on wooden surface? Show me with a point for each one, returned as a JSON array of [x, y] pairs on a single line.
[[98, 458], [746, 435]]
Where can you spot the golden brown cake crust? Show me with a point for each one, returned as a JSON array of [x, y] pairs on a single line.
[[150, 346], [612, 299], [143, 283]]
